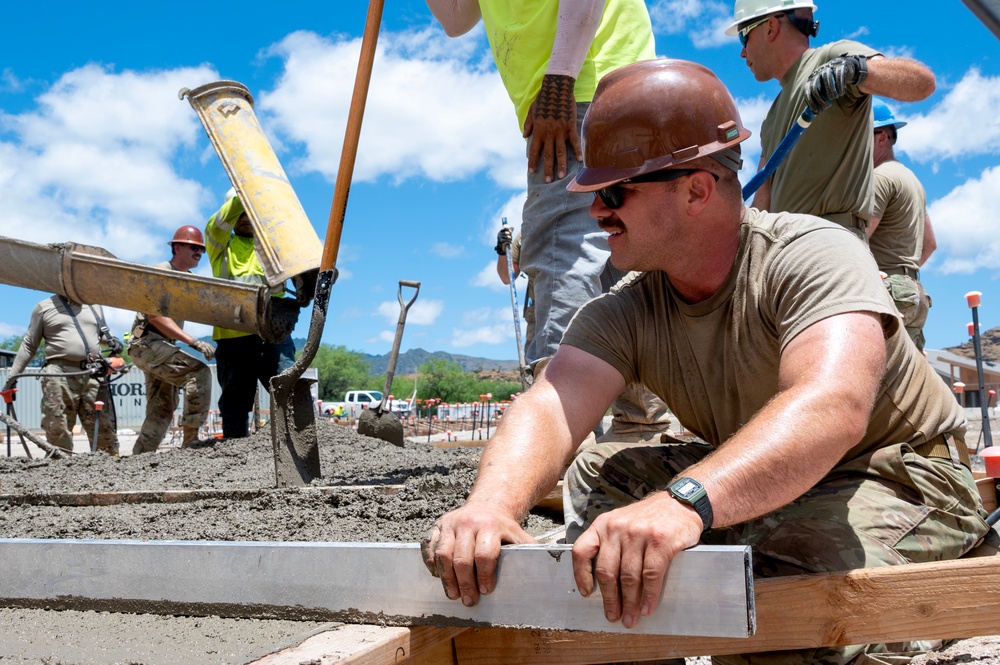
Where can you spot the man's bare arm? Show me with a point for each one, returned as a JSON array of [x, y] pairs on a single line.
[[169, 327], [930, 241], [904, 79], [830, 373], [535, 440], [457, 17]]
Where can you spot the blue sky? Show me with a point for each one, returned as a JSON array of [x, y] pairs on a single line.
[[95, 146]]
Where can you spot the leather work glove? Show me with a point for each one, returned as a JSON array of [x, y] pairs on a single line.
[[832, 80], [204, 348], [504, 237]]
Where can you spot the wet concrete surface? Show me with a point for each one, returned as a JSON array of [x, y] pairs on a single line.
[[434, 481]]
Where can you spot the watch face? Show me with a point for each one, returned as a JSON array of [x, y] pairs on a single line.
[[686, 488]]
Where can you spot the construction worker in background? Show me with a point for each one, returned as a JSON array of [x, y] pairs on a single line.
[[71, 385], [759, 330], [900, 235], [241, 358], [153, 348], [828, 173], [550, 56]]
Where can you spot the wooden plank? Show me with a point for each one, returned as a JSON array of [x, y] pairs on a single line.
[[706, 592], [951, 599], [987, 493], [369, 645], [83, 499]]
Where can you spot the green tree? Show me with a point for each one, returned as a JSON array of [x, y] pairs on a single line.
[[445, 379], [341, 370]]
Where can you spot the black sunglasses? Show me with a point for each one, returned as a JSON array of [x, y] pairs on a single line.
[[613, 196]]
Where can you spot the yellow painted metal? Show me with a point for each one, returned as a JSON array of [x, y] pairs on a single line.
[[94, 276], [287, 244]]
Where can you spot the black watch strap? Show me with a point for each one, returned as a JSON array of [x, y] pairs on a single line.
[[690, 491]]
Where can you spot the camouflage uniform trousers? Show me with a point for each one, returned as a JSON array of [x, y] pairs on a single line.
[[168, 369], [913, 304], [637, 416], [64, 398], [890, 507]]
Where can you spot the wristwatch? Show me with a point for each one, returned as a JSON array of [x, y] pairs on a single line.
[[690, 491]]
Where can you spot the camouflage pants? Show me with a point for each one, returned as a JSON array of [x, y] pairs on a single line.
[[637, 415], [912, 302], [168, 369], [890, 507], [65, 398]]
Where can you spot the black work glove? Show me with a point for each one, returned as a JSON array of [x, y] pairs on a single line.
[[504, 237], [831, 80], [115, 346], [11, 383]]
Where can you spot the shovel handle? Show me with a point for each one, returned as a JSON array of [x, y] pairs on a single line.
[[390, 370], [338, 209], [779, 154]]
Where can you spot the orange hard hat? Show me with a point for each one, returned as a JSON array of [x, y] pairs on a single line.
[[190, 235]]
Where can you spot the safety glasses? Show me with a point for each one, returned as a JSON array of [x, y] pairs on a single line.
[[744, 32], [613, 196]]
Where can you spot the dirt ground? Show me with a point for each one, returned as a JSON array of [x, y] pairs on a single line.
[[434, 481]]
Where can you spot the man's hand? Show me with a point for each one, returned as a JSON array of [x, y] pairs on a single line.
[[204, 348], [462, 549], [551, 124], [832, 80], [629, 549], [504, 237], [10, 385], [115, 346]]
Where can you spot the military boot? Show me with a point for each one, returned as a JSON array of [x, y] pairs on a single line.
[[190, 436]]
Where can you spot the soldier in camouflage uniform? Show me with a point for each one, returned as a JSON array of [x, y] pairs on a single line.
[[72, 332], [900, 234], [826, 441], [153, 347]]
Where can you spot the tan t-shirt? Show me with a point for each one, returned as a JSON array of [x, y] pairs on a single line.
[[901, 203], [143, 319], [715, 363], [829, 171]]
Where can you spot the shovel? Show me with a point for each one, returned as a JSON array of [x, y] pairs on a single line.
[[779, 154], [379, 423], [293, 416]]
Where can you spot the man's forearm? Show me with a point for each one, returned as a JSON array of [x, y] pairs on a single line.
[[577, 24], [904, 79], [457, 17]]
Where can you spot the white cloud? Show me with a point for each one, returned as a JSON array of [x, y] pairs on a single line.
[[965, 225], [92, 163], [485, 325], [488, 278], [7, 330], [963, 123], [705, 21], [752, 112], [447, 250], [430, 111], [421, 313]]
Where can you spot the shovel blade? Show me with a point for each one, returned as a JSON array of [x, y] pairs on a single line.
[[385, 426], [293, 434]]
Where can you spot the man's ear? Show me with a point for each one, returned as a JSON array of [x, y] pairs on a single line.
[[701, 185]]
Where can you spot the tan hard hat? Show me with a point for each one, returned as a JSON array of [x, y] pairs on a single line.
[[652, 115], [190, 235]]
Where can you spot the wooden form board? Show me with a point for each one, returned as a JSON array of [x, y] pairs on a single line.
[[81, 499], [951, 599]]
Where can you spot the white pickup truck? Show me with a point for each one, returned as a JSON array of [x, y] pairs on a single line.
[[357, 400]]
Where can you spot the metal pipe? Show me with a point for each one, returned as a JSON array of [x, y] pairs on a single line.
[[287, 244], [94, 276]]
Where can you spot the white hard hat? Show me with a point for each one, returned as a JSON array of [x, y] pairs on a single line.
[[231, 193], [748, 10]]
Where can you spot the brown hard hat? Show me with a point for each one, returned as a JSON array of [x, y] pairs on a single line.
[[190, 235], [652, 115]]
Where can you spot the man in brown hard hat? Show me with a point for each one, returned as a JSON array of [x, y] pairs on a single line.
[[153, 348], [829, 443]]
